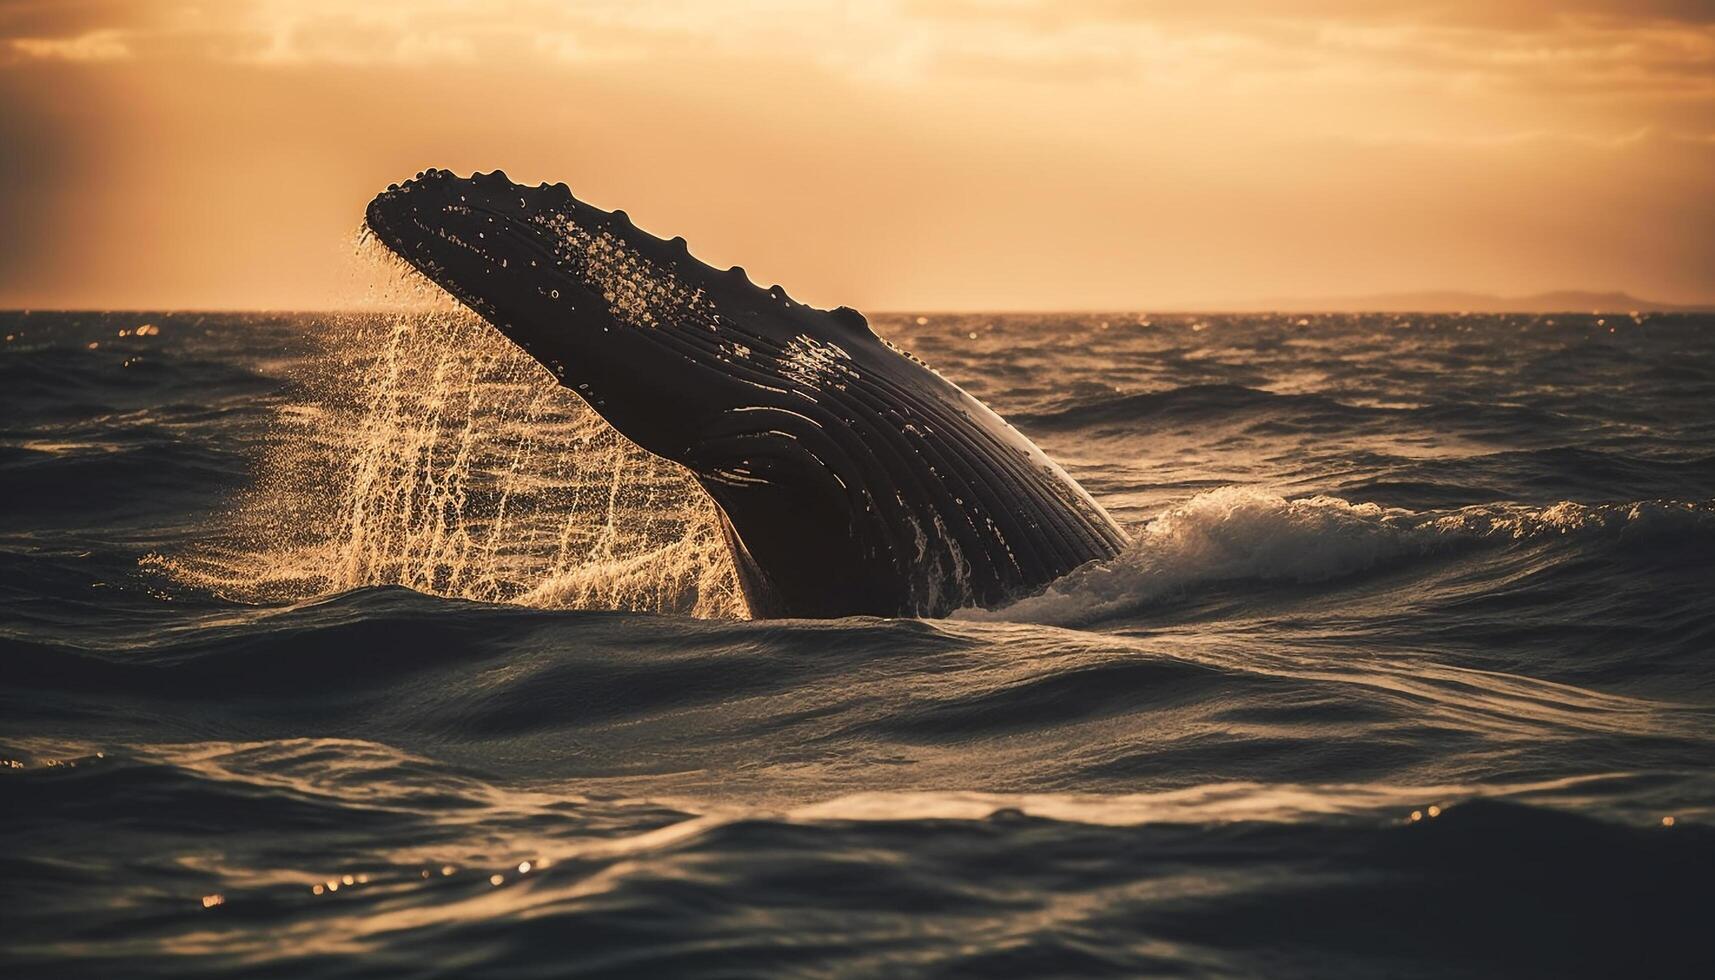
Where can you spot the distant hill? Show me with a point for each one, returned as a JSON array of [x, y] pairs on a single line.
[[1451, 301]]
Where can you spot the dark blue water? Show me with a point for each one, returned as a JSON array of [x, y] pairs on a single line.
[[1410, 671]]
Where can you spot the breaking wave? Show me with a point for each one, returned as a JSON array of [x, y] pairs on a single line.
[[1247, 535]]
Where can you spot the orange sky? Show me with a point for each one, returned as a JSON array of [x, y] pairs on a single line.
[[918, 154]]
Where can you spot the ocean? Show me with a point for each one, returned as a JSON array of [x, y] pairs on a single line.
[[348, 645]]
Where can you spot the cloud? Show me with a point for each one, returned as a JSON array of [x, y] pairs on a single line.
[[292, 32], [1663, 48], [1173, 149], [1443, 70], [98, 45], [1641, 137], [1504, 15]]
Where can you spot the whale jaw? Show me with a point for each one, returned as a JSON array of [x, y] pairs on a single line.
[[851, 478]]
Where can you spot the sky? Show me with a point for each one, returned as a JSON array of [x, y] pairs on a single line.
[[889, 154]]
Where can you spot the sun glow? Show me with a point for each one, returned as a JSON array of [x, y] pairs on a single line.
[[940, 153]]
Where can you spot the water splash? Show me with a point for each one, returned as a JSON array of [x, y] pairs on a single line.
[[1247, 534], [428, 452]]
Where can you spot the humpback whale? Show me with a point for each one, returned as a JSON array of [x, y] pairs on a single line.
[[852, 479]]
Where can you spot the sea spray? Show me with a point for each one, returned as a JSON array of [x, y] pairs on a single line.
[[431, 454], [1248, 534]]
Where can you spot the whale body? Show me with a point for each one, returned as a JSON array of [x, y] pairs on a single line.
[[852, 479]]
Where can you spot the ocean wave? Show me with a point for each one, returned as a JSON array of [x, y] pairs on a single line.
[[1240, 534], [1277, 412], [1389, 704], [1547, 474], [1193, 401], [145, 470], [891, 884]]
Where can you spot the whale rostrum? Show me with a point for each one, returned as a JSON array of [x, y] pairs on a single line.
[[852, 478]]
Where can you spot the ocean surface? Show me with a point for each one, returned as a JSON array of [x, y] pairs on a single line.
[[339, 646]]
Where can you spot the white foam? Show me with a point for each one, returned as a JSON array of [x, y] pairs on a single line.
[[1247, 534]]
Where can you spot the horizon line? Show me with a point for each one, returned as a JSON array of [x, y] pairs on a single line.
[[1643, 308]]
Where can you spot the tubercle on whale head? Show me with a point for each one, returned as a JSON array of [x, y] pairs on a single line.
[[623, 317]]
